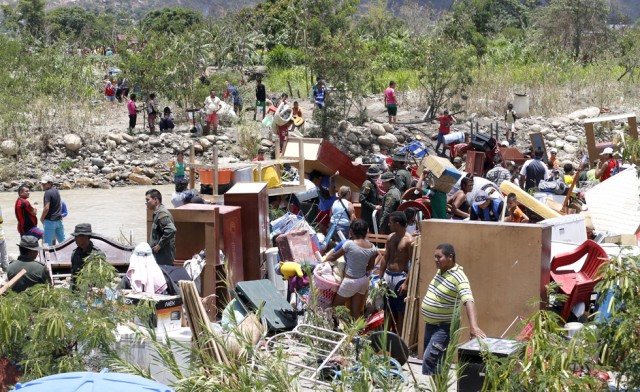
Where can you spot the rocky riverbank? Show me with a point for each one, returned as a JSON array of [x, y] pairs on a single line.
[[116, 158]]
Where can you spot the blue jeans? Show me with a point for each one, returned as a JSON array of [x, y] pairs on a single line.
[[436, 340], [440, 142], [53, 228]]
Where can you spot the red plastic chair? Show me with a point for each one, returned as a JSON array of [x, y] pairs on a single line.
[[578, 285], [418, 206], [412, 194]]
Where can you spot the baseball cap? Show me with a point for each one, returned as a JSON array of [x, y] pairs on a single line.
[[607, 151], [504, 143], [46, 179], [554, 150], [480, 198], [457, 160]]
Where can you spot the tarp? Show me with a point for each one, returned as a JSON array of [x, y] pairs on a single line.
[[614, 204]]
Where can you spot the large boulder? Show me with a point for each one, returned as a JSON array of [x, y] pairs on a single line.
[[585, 113], [140, 179], [377, 129], [9, 148], [116, 137], [387, 127], [72, 142], [388, 140]]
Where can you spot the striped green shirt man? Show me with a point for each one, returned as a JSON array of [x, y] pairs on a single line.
[[445, 290]]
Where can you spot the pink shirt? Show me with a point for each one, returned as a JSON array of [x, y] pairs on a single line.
[[390, 96], [131, 107]]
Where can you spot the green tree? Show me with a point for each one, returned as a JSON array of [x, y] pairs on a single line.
[[26, 17], [172, 20], [377, 22], [70, 22], [629, 56], [578, 27], [447, 72]]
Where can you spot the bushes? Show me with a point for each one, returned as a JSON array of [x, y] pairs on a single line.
[[284, 57]]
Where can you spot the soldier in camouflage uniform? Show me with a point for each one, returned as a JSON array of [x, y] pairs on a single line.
[[369, 198], [403, 177], [36, 270], [163, 230], [390, 202]]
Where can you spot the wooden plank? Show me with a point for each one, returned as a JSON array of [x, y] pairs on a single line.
[[13, 281], [215, 170], [613, 117], [528, 201], [209, 274], [285, 190]]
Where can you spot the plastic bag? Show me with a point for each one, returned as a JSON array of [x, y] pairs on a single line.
[[267, 121]]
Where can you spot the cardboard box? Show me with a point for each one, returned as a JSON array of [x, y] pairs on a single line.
[[444, 174], [168, 316]]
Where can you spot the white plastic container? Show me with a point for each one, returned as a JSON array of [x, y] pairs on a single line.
[[521, 104], [454, 137], [277, 280], [573, 328]]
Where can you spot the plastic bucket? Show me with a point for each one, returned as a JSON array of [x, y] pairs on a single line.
[[454, 137], [573, 328], [224, 176], [282, 116], [269, 175], [206, 176]]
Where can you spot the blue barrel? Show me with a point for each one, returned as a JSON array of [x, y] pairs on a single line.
[[93, 382]]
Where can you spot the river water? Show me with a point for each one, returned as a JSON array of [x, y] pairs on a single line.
[[115, 213]]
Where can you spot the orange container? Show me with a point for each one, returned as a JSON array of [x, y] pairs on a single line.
[[206, 176]]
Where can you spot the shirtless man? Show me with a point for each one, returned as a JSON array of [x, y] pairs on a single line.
[[394, 268]]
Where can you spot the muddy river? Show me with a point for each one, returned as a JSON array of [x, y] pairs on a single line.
[[115, 213]]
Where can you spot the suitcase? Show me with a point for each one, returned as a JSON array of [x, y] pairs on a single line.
[[482, 142], [278, 313]]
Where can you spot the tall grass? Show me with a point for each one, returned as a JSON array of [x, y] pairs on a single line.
[[554, 87]]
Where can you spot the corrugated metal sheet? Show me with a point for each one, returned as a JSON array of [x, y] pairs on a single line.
[[615, 203]]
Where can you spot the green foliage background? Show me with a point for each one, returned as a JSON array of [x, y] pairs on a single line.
[[472, 56]]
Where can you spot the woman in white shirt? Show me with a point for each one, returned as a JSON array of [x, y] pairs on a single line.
[[342, 211]]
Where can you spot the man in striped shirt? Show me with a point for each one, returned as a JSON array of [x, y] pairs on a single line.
[[449, 287]]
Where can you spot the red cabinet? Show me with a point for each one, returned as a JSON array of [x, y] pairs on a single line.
[[253, 199]]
